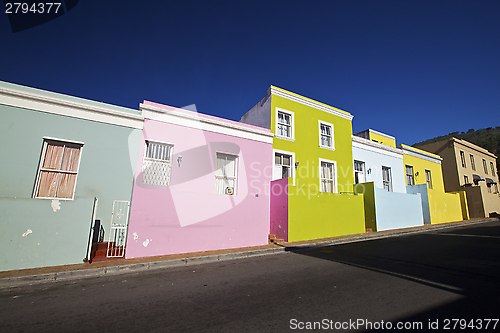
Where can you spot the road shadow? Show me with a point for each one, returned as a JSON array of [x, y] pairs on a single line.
[[463, 260]]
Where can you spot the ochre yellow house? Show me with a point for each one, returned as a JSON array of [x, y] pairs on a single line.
[[424, 175]]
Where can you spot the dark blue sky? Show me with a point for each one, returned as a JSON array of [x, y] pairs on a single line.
[[412, 69]]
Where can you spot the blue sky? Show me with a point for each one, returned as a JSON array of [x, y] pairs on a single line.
[[412, 69]]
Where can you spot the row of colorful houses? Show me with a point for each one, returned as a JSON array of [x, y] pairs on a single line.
[[163, 180]]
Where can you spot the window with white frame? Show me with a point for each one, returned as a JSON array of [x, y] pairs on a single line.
[[488, 187], [428, 178], [157, 163], [386, 178], [282, 166], [466, 180], [359, 172], [226, 174], [326, 139], [462, 158], [472, 163], [58, 169], [409, 175], [492, 168], [284, 124], [327, 176], [485, 166]]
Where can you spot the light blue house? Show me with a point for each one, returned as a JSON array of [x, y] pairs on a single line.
[[379, 175], [65, 163]]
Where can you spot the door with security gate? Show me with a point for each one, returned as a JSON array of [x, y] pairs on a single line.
[[118, 230]]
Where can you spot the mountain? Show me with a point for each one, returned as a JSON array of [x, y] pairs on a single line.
[[487, 138]]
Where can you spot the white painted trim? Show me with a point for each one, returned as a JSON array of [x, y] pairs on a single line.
[[292, 163], [62, 107], [418, 154], [309, 102], [320, 122], [335, 178], [292, 116], [176, 117], [376, 147], [63, 140], [382, 134]]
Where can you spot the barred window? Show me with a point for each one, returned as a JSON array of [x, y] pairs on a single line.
[[157, 163]]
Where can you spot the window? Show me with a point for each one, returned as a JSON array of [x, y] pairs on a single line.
[[462, 157], [225, 174], [489, 187], [496, 188], [327, 178], [157, 163], [492, 168], [466, 180], [409, 175], [472, 164], [359, 172], [58, 169], [326, 135], [284, 124], [282, 166], [485, 167], [386, 178], [428, 178]]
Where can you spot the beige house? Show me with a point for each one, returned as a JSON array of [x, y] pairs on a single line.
[[470, 168]]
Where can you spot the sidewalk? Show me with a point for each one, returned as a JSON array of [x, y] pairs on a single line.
[[68, 272]]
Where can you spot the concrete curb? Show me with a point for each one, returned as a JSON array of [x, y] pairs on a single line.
[[194, 261]]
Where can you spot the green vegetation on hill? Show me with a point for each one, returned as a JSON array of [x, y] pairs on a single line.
[[487, 138]]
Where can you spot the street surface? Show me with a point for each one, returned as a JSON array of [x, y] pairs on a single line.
[[429, 278]]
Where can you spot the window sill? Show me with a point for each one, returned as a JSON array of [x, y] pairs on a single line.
[[284, 138], [47, 198], [327, 148]]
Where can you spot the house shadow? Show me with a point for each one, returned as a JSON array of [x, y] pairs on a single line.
[[463, 261]]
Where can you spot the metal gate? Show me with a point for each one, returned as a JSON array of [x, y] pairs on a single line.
[[118, 230]]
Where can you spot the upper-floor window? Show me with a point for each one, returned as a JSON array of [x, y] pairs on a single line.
[[428, 178], [326, 139], [409, 175], [466, 180], [327, 179], [285, 124], [58, 169], [462, 157], [226, 174], [472, 164], [157, 163], [492, 169], [359, 172], [386, 178], [485, 166]]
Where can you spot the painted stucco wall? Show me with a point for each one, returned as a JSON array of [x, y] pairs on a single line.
[[374, 159], [312, 214], [279, 208], [108, 156], [187, 216], [367, 189], [382, 139], [34, 235], [397, 210], [424, 195], [443, 207], [475, 201]]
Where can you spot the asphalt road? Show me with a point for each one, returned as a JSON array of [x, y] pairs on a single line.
[[428, 278]]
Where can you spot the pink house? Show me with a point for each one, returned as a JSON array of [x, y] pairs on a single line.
[[202, 183]]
